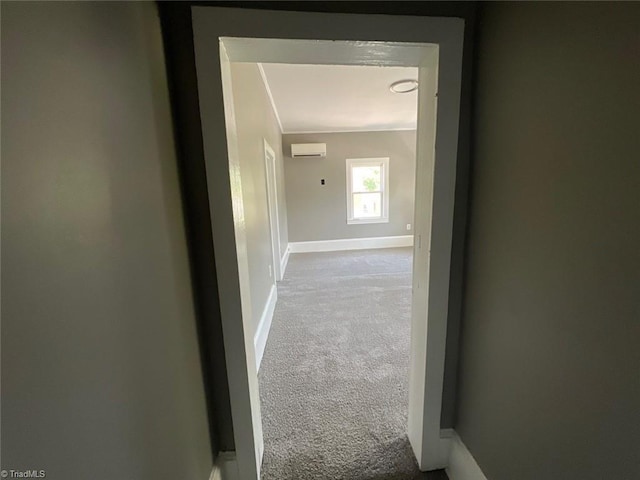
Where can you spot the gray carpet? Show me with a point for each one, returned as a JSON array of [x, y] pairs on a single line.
[[334, 376]]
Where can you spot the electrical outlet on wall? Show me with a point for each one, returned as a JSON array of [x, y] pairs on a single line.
[[408, 226]]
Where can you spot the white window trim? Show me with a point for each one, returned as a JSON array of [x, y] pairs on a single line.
[[384, 188]]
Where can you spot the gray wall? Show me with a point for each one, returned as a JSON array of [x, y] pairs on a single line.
[[549, 383], [319, 212], [101, 373], [256, 121]]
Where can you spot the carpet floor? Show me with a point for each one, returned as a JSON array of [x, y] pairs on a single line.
[[334, 376]]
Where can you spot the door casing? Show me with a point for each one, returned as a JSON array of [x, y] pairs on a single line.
[[434, 44], [272, 204]]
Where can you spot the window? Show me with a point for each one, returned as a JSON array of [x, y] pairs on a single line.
[[367, 190]]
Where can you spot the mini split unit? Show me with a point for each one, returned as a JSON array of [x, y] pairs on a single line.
[[308, 150]]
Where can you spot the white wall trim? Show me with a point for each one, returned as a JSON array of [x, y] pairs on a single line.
[[226, 467], [268, 89], [216, 473], [262, 332], [447, 433], [381, 129], [285, 260], [272, 207], [462, 465], [351, 244]]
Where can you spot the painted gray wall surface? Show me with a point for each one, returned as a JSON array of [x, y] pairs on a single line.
[[177, 35], [319, 212], [101, 372], [549, 383], [256, 121]]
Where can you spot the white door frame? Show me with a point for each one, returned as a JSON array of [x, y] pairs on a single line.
[[435, 45], [272, 207]]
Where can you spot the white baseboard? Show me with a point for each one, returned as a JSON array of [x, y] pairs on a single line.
[[351, 244], [462, 465], [226, 467], [216, 473], [285, 260], [262, 332]]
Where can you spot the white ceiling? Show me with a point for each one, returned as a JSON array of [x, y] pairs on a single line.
[[340, 98]]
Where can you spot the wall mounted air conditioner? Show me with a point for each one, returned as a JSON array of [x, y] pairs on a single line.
[[308, 150]]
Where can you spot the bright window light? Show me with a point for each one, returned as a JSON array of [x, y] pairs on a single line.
[[367, 190]]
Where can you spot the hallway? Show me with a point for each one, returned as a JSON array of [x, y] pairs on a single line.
[[334, 376]]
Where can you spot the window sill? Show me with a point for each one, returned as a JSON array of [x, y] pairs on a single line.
[[364, 221]]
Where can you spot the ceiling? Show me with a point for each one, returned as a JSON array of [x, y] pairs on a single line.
[[340, 98]]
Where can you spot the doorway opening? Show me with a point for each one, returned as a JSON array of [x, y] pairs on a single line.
[[355, 217], [387, 43], [332, 356]]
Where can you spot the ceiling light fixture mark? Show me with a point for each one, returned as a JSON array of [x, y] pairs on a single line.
[[404, 86]]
